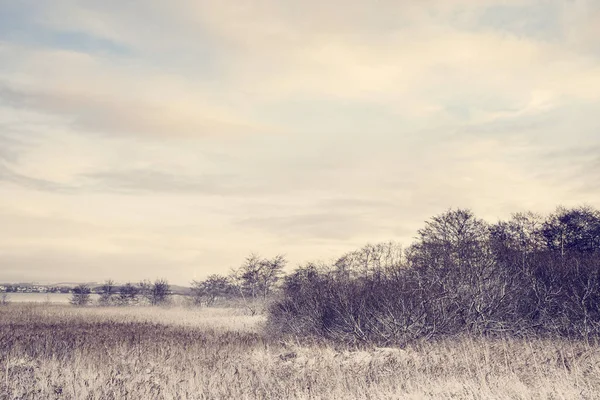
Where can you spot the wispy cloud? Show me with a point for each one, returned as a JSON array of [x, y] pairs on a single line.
[[89, 112], [9, 147], [9, 175], [152, 181]]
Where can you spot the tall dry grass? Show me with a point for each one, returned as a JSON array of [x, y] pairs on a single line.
[[58, 352]]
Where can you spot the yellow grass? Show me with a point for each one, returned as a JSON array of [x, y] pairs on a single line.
[[146, 353]]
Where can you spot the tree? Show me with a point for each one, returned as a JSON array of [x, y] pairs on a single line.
[[107, 293], [270, 273], [156, 293], [516, 241], [258, 276], [454, 239], [214, 287], [456, 265], [247, 276], [4, 298], [81, 295], [370, 260], [128, 294], [575, 230]]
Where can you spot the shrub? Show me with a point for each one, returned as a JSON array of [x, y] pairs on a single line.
[[461, 276], [156, 293], [81, 295], [128, 295]]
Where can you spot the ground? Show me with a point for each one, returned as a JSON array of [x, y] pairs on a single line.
[[63, 352]]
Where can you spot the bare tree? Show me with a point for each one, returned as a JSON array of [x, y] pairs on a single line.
[[370, 260], [256, 279], [258, 276], [81, 295], [270, 272], [156, 293], [4, 298], [573, 230], [107, 293], [521, 237], [128, 295], [211, 289], [248, 276], [455, 238]]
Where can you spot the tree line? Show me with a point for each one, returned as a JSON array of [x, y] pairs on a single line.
[[256, 279], [152, 293], [529, 275]]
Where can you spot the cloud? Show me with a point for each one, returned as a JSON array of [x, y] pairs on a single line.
[[253, 182], [9, 147], [118, 95], [418, 61], [42, 266], [19, 21], [89, 112], [575, 165], [153, 181], [7, 174], [136, 182], [335, 219], [356, 51], [317, 226]]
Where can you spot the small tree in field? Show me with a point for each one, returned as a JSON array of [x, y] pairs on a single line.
[[247, 277], [214, 287], [256, 279], [128, 295], [258, 276], [107, 293], [270, 273], [81, 295], [156, 293], [4, 298]]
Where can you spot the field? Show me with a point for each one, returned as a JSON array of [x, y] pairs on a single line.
[[61, 352]]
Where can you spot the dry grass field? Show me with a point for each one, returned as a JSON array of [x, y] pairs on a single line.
[[61, 352]]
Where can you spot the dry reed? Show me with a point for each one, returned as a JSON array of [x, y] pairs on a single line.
[[58, 352]]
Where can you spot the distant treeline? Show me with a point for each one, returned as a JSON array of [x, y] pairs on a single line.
[[129, 294], [12, 288]]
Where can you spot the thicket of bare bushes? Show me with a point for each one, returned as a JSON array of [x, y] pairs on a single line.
[[531, 275]]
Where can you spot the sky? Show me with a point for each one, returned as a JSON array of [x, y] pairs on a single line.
[[143, 138]]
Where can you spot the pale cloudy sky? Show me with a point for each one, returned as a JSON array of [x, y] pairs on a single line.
[[147, 138]]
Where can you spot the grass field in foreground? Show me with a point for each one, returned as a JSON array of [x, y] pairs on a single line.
[[60, 352]]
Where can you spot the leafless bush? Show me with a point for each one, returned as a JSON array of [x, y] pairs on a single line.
[[4, 299], [214, 288], [523, 277], [156, 293], [108, 292], [128, 295], [81, 295]]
